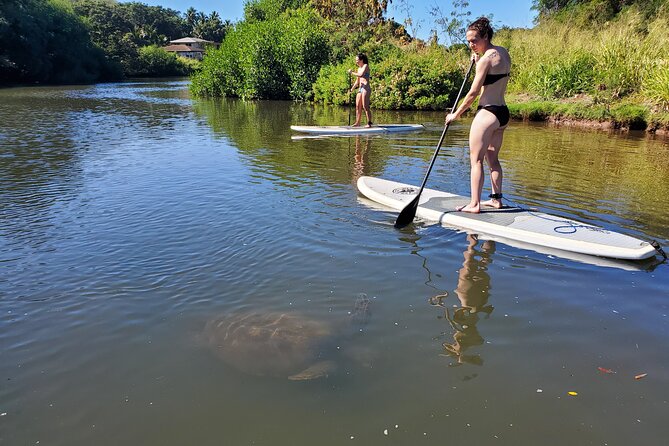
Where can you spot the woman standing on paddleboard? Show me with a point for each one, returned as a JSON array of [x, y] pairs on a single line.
[[493, 65], [364, 90]]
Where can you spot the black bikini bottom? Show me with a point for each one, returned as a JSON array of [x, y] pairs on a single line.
[[501, 112]]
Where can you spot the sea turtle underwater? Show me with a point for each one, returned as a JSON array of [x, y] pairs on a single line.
[[277, 344]]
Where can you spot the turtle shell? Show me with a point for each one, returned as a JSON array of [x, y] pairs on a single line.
[[268, 344]]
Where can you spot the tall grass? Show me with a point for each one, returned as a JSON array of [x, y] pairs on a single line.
[[624, 58]]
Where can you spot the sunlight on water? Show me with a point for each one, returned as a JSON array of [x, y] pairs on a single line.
[[168, 264]]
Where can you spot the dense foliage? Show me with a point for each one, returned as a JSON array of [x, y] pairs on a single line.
[[154, 60], [299, 50], [597, 11], [273, 54], [122, 29], [44, 41], [68, 41]]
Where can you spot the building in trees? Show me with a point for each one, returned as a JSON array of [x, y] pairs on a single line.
[[190, 47]]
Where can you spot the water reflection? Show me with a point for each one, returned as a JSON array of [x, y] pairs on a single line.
[[473, 291], [362, 149]]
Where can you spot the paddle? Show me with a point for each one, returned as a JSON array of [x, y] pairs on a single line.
[[409, 212], [350, 99]]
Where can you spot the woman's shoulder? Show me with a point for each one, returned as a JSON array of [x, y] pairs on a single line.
[[496, 55], [502, 51]]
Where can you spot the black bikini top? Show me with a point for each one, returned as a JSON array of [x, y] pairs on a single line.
[[492, 78]]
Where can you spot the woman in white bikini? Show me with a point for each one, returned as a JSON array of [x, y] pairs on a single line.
[[493, 65], [364, 90]]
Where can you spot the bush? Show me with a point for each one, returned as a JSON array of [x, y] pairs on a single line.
[[427, 79], [277, 58], [333, 84], [155, 61]]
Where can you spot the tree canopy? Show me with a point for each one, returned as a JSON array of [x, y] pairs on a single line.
[[44, 41]]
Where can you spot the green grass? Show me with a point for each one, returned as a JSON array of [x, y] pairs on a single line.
[[632, 116]]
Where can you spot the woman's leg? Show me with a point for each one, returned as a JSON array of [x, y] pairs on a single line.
[[496, 175], [358, 109], [480, 135], [365, 104]]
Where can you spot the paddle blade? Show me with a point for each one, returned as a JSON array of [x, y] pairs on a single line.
[[408, 213]]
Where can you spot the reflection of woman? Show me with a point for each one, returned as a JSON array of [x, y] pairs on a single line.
[[485, 137], [364, 89], [359, 158], [472, 290]]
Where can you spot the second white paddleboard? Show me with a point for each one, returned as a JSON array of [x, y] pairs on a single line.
[[349, 130]]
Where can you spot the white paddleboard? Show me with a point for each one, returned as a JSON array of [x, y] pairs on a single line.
[[534, 228], [348, 130]]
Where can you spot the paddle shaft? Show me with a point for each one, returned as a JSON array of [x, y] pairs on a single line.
[[350, 99], [409, 212]]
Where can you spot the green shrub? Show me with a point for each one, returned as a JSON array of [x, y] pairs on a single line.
[[333, 84], [155, 61], [277, 58], [426, 79]]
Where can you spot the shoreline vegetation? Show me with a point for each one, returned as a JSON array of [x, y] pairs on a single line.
[[588, 63]]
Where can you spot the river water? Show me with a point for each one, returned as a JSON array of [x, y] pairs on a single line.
[[131, 215]]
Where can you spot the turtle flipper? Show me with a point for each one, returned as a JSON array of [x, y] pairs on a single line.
[[318, 370]]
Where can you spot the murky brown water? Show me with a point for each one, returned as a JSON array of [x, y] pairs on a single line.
[[131, 215]]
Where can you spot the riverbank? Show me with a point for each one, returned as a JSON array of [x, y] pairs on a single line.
[[582, 111]]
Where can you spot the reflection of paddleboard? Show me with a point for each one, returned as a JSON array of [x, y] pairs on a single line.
[[534, 228], [348, 130]]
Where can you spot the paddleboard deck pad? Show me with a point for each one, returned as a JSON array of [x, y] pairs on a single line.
[[535, 228], [349, 130]]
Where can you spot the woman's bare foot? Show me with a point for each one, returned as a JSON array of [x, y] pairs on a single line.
[[357, 124], [493, 203], [471, 208]]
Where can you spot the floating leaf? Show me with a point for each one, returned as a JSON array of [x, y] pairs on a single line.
[[573, 393], [603, 370], [640, 376]]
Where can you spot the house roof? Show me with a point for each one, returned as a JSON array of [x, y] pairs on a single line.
[[190, 40], [182, 49]]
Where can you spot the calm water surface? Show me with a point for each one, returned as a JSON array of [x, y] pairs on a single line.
[[131, 215]]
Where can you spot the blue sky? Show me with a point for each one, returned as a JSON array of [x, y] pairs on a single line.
[[514, 13]]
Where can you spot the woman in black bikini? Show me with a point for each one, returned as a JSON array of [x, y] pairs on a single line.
[[493, 64]]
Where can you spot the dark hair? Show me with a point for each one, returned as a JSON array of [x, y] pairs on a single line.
[[363, 58], [482, 26]]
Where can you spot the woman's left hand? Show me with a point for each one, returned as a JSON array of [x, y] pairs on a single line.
[[450, 118]]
